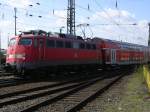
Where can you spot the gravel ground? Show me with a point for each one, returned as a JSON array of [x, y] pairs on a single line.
[[35, 92], [128, 95], [22, 87], [111, 97], [72, 100], [21, 106]]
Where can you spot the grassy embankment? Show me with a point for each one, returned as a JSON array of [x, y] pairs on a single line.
[[135, 95]]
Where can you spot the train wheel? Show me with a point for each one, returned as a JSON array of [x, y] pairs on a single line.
[[24, 74]]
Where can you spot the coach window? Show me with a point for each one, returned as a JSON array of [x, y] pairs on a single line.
[[59, 44], [50, 43], [82, 46], [88, 46], [68, 45]]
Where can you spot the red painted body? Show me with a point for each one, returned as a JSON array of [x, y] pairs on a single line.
[[30, 51]]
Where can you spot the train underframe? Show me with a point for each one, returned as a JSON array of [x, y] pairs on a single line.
[[23, 69], [28, 68]]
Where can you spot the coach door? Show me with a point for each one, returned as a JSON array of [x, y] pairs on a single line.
[[41, 49], [113, 56]]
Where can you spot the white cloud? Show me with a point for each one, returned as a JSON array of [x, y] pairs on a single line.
[[19, 3], [60, 17], [134, 34], [5, 23], [5, 27], [60, 13], [113, 15], [125, 32]]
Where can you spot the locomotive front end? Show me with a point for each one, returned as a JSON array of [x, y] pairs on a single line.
[[17, 51]]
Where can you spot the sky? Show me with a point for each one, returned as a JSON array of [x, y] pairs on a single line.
[[127, 22]]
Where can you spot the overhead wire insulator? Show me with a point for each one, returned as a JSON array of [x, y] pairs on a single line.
[[27, 13], [88, 7], [116, 4], [88, 18], [38, 3], [53, 11], [3, 16], [40, 16], [134, 24]]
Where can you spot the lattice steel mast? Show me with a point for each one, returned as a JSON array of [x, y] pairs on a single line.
[[71, 17]]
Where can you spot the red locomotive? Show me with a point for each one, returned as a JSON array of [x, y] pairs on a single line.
[[38, 49]]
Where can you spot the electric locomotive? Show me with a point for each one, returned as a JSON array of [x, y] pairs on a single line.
[[37, 49]]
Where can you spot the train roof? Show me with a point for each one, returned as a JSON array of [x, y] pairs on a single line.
[[33, 32], [52, 34], [124, 45], [74, 37]]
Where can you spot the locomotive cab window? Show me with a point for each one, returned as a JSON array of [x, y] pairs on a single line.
[[25, 41]]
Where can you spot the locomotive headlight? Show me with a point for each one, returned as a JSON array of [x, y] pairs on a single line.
[[11, 56], [18, 56]]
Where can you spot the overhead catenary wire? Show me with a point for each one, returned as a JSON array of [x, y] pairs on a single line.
[[111, 19], [35, 14], [114, 21], [92, 11], [105, 24], [30, 11]]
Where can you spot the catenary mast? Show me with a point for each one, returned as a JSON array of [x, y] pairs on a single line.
[[149, 35], [71, 17]]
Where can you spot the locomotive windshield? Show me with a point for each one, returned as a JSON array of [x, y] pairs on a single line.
[[12, 42], [25, 41]]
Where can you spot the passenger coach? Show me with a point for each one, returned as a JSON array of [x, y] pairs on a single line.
[[122, 53]]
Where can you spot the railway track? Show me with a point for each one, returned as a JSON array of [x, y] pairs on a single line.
[[8, 79], [76, 92], [4, 73], [14, 82], [11, 82], [44, 87], [51, 94], [43, 93], [91, 97]]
